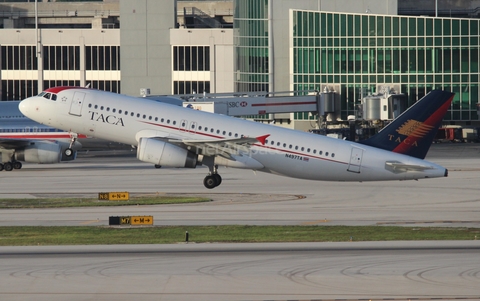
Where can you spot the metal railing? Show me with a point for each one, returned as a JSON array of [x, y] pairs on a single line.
[[60, 13], [201, 16]]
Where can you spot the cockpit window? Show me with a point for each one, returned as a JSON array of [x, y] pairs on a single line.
[[48, 95]]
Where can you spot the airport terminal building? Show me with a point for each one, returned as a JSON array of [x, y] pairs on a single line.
[[351, 48]]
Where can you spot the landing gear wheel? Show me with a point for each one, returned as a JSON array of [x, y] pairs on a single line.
[[8, 166], [68, 152], [218, 178], [210, 182], [1, 166], [17, 165], [158, 166]]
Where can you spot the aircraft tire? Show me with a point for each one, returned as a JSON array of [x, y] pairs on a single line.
[[8, 166], [218, 178], [1, 166], [158, 166], [210, 182], [17, 165], [68, 152]]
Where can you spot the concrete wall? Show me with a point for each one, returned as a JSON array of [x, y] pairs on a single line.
[[145, 45], [20, 15], [442, 4], [220, 42]]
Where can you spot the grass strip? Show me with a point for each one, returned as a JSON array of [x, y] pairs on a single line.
[[90, 235], [91, 202]]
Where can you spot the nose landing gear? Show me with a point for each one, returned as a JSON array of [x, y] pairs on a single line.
[[69, 151]]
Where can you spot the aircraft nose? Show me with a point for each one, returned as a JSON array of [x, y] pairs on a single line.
[[24, 106]]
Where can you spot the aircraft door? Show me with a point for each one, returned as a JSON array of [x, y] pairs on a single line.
[[355, 160], [77, 103], [193, 127], [183, 125]]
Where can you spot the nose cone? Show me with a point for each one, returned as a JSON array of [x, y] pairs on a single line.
[[23, 106]]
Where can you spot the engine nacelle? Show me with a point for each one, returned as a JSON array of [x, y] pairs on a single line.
[[40, 152], [165, 154]]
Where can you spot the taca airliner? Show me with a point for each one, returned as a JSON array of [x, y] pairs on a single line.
[[174, 136]]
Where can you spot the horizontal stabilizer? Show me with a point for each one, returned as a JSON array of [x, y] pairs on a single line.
[[399, 167]]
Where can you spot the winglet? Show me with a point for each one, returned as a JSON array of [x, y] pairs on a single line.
[[262, 139]]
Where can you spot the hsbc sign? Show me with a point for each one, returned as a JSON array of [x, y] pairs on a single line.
[[237, 104]]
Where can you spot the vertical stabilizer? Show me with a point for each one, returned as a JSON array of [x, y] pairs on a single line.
[[413, 132]]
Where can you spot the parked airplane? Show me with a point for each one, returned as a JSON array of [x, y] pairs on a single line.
[[22, 139], [174, 136]]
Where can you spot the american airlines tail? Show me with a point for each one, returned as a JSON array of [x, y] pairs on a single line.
[[412, 133]]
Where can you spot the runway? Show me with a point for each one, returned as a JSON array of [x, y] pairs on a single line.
[[316, 271], [304, 271]]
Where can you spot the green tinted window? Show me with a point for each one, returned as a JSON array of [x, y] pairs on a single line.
[[473, 27], [404, 26]]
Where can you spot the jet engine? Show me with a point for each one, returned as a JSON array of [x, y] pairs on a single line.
[[165, 154], [40, 152]]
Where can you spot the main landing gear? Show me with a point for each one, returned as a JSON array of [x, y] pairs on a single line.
[[11, 165], [213, 179]]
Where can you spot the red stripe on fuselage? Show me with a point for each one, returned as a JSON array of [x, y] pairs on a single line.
[[272, 104], [40, 136]]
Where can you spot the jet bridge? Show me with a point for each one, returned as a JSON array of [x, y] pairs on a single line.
[[255, 103]]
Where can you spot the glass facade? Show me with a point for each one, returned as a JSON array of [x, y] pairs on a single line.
[[251, 45], [360, 51]]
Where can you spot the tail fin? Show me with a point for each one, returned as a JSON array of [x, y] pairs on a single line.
[[413, 132]]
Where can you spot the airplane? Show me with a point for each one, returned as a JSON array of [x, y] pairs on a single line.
[[24, 140], [174, 136]]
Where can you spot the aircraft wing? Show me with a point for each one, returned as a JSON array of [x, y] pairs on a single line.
[[6, 143], [226, 148], [398, 167]]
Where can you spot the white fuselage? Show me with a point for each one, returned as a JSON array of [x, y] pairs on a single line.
[[286, 152]]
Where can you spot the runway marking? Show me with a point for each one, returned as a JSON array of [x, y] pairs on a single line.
[[90, 222], [428, 222], [316, 222], [383, 299]]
